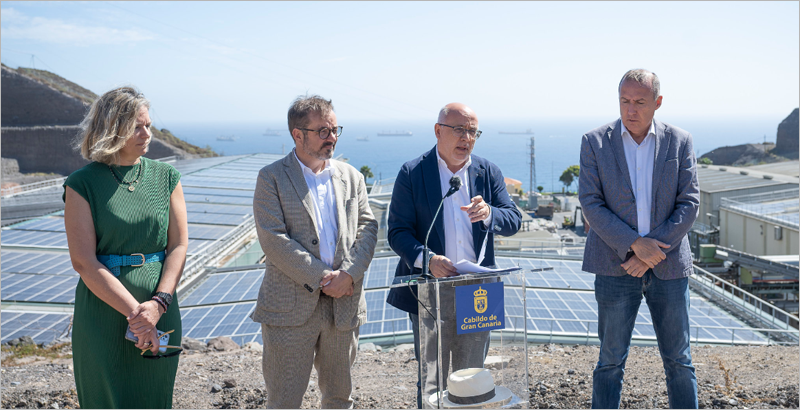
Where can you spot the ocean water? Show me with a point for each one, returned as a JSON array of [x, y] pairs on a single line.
[[557, 143]]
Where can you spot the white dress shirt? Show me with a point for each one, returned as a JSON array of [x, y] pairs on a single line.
[[324, 209], [640, 159], [457, 227]]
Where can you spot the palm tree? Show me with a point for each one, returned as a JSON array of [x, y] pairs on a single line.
[[366, 172]]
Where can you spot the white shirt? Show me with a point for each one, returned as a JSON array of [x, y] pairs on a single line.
[[324, 209], [640, 159], [457, 227]]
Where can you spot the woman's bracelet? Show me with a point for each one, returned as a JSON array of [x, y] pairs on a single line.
[[160, 302]]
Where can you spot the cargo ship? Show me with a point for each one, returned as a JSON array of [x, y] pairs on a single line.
[[395, 134], [526, 132]]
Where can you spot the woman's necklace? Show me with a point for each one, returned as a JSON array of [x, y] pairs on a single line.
[[121, 181]]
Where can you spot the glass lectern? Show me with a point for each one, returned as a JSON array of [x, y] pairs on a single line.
[[473, 333]]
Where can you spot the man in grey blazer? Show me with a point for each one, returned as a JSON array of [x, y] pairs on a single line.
[[638, 190], [318, 234]]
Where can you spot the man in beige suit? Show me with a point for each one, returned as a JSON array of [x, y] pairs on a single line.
[[318, 234]]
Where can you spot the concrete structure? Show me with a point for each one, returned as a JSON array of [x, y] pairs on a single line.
[[379, 198], [512, 185], [761, 224], [717, 182]]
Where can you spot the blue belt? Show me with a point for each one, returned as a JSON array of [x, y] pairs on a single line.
[[113, 262]]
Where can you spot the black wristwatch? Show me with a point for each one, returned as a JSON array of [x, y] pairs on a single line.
[[166, 297]]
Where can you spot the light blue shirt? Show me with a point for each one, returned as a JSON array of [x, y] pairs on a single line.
[[324, 208], [640, 159]]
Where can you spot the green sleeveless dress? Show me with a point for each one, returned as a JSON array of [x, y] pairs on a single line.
[[109, 370]]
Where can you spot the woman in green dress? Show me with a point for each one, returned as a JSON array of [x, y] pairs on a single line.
[[127, 233]]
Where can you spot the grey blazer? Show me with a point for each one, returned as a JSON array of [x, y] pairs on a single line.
[[608, 203], [286, 226]]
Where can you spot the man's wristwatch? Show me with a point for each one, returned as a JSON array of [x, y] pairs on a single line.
[[166, 297], [430, 256]]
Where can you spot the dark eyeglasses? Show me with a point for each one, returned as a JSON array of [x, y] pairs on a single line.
[[324, 133], [460, 132], [160, 356]]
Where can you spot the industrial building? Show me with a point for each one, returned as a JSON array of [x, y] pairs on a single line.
[[717, 182], [761, 224]]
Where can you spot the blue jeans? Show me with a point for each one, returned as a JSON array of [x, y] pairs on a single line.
[[618, 300]]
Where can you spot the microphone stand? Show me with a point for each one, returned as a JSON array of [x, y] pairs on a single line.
[[455, 185], [426, 251]]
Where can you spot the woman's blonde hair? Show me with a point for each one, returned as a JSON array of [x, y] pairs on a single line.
[[110, 122]]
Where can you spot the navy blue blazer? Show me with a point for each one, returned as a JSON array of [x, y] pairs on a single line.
[[609, 205], [416, 195]]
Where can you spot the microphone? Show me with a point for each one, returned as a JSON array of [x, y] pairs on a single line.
[[455, 185]]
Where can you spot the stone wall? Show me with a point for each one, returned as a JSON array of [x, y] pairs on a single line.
[[49, 148], [10, 167], [788, 136], [26, 102]]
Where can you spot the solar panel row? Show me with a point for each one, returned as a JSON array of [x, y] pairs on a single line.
[[561, 302], [41, 326], [218, 199], [218, 196]]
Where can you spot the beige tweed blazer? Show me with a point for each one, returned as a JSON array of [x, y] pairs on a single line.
[[286, 226]]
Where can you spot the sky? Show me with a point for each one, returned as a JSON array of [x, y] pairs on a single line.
[[399, 62]]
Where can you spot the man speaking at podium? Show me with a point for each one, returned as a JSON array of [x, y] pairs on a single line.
[[464, 229]]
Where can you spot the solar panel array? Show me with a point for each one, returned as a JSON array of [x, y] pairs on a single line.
[[47, 263], [560, 301], [49, 232], [226, 288], [43, 327], [231, 320], [785, 210], [35, 264], [19, 287], [36, 269]]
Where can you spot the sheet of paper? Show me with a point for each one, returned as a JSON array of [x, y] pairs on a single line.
[[464, 266]]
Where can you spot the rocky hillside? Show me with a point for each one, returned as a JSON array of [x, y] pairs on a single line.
[[39, 98], [60, 84], [789, 136], [743, 155], [785, 149]]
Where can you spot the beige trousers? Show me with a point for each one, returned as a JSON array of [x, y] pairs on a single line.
[[290, 351]]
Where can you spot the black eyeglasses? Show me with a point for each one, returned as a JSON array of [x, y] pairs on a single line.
[[460, 132], [324, 133]]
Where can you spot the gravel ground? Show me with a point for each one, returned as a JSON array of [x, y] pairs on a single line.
[[560, 377]]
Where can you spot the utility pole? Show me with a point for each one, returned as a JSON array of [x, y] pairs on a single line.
[[532, 174]]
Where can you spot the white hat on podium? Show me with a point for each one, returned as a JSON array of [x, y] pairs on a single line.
[[473, 388]]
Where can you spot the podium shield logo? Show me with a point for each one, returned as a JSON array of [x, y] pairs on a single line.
[[481, 301], [480, 307]]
